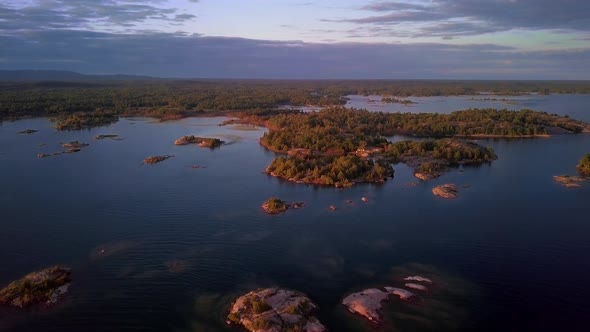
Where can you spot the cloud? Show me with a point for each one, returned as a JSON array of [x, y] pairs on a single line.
[[467, 17], [85, 14], [181, 55]]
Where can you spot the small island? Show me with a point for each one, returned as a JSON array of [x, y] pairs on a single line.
[[393, 100], [204, 142], [44, 287], [156, 159], [275, 309], [448, 191], [584, 165], [275, 206]]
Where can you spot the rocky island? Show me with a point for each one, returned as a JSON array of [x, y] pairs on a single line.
[[569, 181], [448, 191], [203, 142], [369, 302], [156, 159], [275, 206], [45, 287], [275, 310]]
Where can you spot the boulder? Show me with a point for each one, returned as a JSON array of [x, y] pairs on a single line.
[[275, 310]]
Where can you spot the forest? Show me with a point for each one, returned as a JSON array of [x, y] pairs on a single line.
[[179, 98]]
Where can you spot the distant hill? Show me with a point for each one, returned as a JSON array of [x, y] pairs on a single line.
[[61, 75]]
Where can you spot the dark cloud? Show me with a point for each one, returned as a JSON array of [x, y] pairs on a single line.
[[180, 55], [469, 17]]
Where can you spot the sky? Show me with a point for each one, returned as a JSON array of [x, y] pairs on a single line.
[[301, 39]]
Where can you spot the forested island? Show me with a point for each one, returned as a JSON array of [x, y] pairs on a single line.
[[342, 147], [393, 100]]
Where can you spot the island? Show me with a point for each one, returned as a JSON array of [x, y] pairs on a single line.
[[203, 142], [45, 287], [343, 147], [275, 309], [275, 206], [392, 100], [156, 159], [584, 165]]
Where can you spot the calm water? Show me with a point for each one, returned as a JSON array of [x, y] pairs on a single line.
[[180, 243]]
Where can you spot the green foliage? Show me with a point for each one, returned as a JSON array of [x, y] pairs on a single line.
[[260, 324], [584, 165], [234, 317], [274, 205], [259, 306], [330, 170]]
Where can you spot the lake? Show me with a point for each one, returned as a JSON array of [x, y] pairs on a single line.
[[167, 247]]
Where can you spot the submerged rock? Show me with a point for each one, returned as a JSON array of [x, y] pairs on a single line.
[[366, 303], [416, 286], [418, 279], [448, 191], [364, 199], [42, 287], [275, 310], [100, 137], [42, 155], [156, 159], [28, 131], [569, 181], [403, 294]]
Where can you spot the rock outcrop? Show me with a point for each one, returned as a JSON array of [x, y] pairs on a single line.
[[367, 303], [448, 191], [275, 206], [275, 310], [44, 287]]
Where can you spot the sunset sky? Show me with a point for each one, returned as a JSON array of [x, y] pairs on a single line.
[[496, 39]]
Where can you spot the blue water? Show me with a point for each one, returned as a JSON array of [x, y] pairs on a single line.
[[510, 253]]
